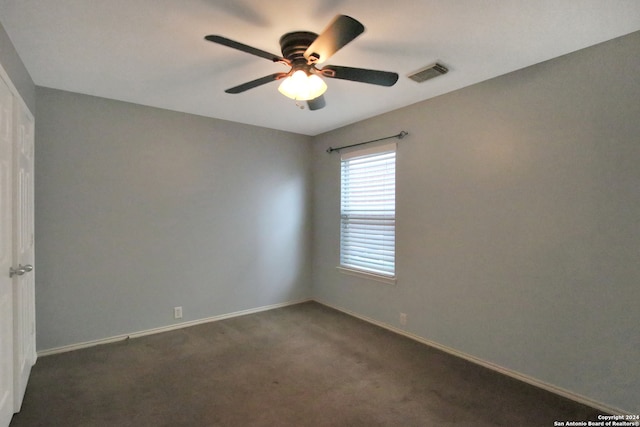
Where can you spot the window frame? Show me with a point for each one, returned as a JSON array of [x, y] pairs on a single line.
[[355, 270]]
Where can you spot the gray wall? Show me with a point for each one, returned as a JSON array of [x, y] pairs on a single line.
[[16, 70], [139, 210], [518, 212]]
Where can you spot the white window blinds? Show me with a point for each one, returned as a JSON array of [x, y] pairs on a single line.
[[368, 210]]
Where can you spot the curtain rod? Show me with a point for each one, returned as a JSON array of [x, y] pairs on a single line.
[[399, 136]]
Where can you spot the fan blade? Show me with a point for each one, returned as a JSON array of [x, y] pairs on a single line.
[[376, 77], [338, 33], [245, 48], [316, 103], [256, 83]]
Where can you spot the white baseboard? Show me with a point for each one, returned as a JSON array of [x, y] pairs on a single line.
[[508, 372], [167, 328]]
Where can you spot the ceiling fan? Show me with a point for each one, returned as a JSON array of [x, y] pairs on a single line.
[[302, 51]]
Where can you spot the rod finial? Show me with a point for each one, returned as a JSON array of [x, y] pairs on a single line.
[[402, 134]]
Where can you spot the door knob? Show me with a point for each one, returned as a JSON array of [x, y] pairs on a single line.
[[16, 271], [20, 270]]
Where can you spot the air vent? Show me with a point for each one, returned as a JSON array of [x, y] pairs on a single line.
[[429, 72]]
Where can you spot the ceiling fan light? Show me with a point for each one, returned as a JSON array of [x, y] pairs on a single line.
[[302, 87]]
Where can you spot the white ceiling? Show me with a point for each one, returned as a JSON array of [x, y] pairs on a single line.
[[153, 52]]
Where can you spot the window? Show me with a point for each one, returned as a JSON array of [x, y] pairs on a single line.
[[368, 211]]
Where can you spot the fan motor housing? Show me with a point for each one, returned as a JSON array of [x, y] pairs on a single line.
[[294, 45]]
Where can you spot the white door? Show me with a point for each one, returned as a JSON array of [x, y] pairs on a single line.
[[6, 238], [24, 327]]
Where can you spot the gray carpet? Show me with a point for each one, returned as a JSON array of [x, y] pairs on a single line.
[[303, 365]]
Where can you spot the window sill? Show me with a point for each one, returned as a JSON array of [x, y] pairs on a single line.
[[366, 275]]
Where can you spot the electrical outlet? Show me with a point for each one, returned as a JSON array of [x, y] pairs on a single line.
[[177, 312], [403, 319]]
